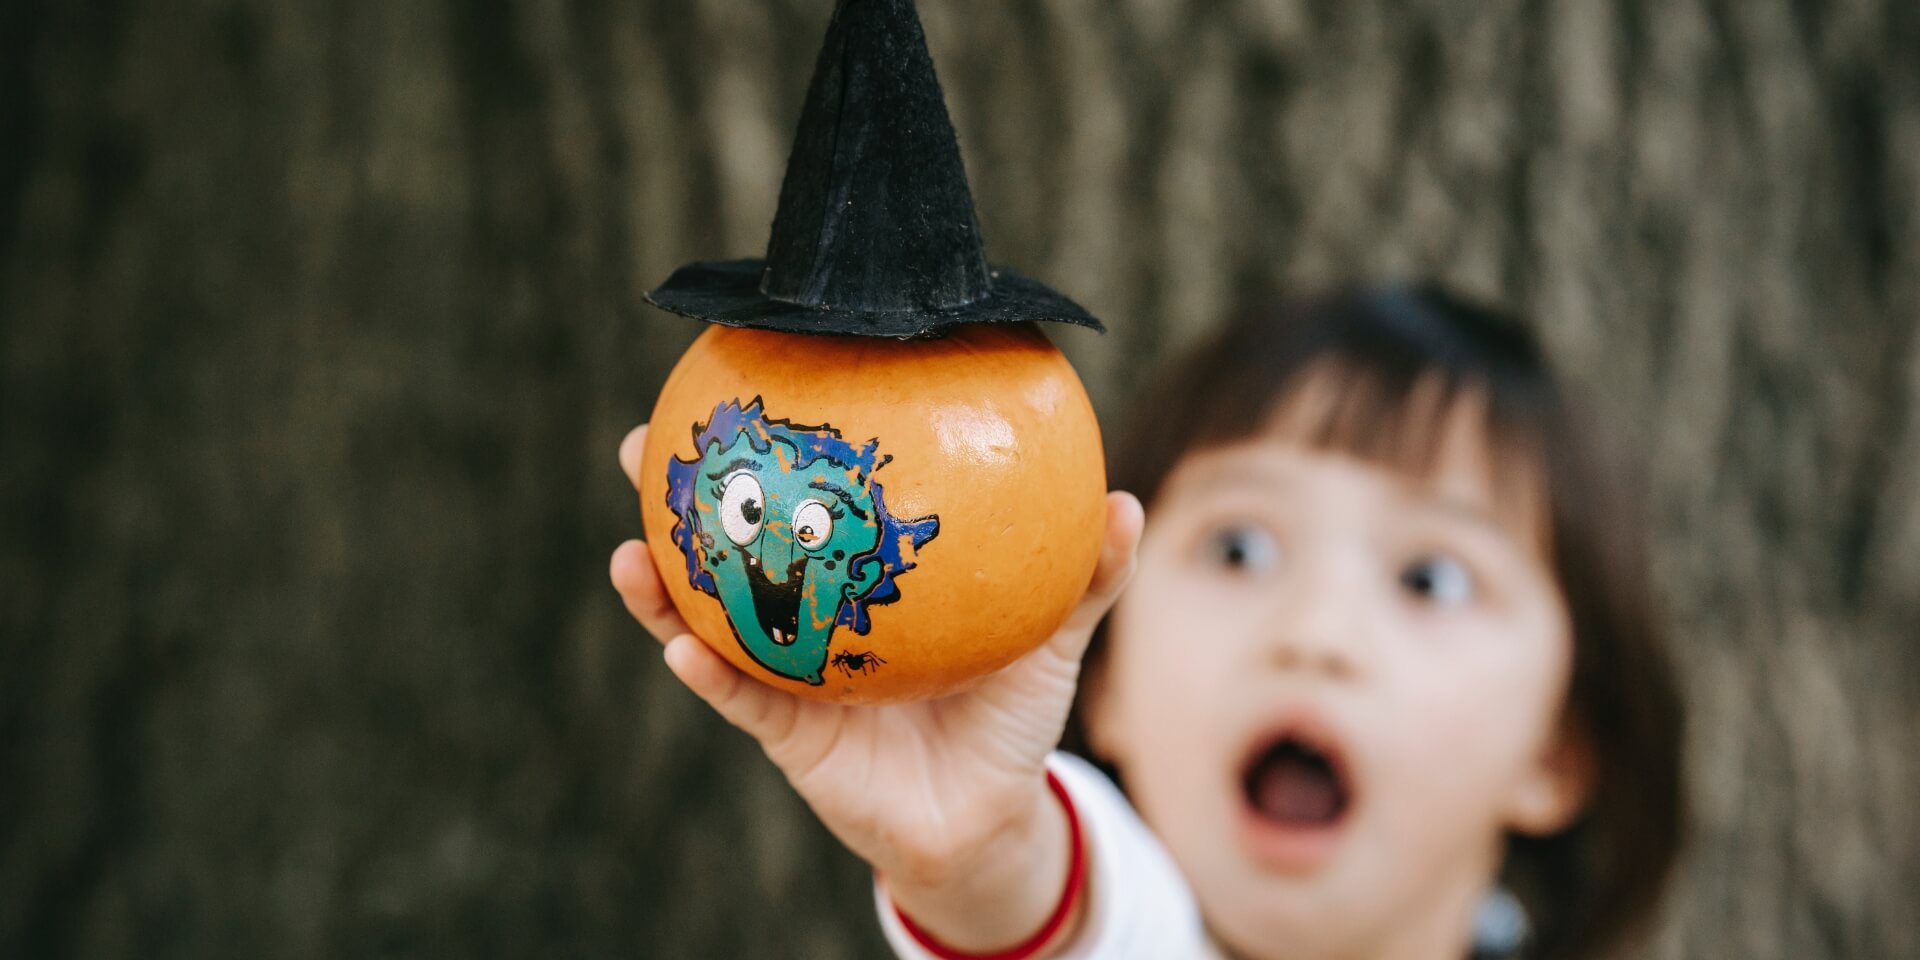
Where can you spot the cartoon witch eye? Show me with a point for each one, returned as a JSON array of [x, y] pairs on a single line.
[[741, 512], [812, 524]]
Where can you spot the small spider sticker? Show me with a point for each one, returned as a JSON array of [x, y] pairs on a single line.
[[851, 663]]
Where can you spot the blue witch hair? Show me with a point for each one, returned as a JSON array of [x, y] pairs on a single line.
[[730, 420]]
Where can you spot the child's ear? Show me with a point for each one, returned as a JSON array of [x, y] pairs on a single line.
[[1555, 788]]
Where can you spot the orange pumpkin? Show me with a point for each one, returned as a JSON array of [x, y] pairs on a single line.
[[871, 520]]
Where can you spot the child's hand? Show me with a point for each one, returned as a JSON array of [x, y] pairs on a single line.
[[946, 798]]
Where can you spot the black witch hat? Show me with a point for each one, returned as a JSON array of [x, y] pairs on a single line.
[[876, 233]]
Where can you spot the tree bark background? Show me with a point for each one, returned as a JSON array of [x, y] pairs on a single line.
[[320, 323]]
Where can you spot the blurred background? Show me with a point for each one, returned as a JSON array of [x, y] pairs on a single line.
[[320, 323]]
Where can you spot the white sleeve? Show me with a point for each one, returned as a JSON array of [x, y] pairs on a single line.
[[1139, 906]]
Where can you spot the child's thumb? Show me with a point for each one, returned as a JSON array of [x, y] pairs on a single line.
[[1125, 519]]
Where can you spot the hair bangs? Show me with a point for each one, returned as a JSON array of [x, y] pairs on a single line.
[[1406, 406]]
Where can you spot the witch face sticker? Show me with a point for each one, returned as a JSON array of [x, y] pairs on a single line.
[[787, 528]]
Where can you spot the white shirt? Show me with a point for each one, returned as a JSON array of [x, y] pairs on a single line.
[[1138, 905]]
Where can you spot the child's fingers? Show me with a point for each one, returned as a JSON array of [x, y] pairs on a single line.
[[764, 713], [1125, 518], [630, 454], [633, 574]]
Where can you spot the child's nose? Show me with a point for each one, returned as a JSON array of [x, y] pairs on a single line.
[[1312, 652], [1320, 625]]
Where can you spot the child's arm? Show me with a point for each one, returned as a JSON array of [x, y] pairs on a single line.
[[947, 799]]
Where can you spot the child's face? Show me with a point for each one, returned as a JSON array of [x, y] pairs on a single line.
[[1333, 688]]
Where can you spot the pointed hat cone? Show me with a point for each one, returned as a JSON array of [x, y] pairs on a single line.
[[875, 234]]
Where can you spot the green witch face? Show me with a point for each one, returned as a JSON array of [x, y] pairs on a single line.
[[787, 528]]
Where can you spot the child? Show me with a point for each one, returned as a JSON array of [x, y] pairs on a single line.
[[1388, 643]]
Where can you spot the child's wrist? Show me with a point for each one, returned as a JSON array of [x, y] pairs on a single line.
[[1016, 896], [977, 851]]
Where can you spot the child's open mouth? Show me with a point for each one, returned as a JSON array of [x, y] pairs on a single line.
[[1295, 794], [1292, 783]]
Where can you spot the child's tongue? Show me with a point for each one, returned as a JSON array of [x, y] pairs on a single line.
[[1293, 786]]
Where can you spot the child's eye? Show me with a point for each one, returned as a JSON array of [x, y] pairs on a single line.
[[1440, 580], [1243, 548]]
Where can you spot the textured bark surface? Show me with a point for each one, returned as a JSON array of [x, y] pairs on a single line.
[[319, 324]]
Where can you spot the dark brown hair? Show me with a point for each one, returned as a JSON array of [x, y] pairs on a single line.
[[1388, 351]]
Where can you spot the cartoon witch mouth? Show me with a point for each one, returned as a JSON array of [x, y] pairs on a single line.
[[787, 528], [777, 605]]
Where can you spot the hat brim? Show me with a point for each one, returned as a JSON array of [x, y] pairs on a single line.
[[728, 292]]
